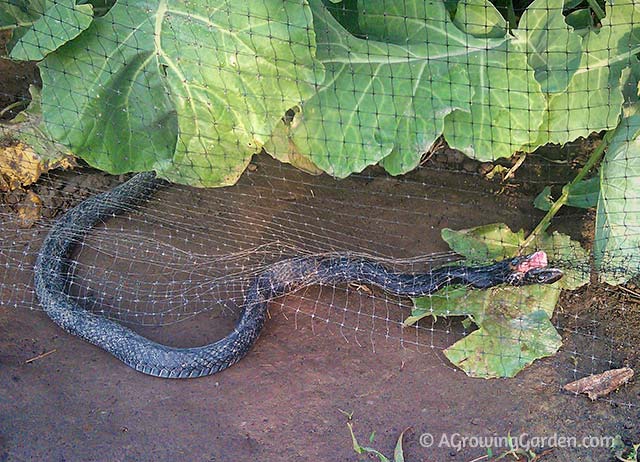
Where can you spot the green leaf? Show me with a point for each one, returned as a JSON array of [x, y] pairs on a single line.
[[363, 449], [580, 20], [544, 200], [398, 452], [571, 4], [62, 21], [488, 242], [593, 99], [480, 19], [346, 13], [491, 105], [514, 327], [553, 49], [20, 13], [583, 194], [28, 128], [418, 131], [617, 239], [100, 7], [505, 347], [219, 76], [445, 302], [280, 146], [380, 95], [507, 106]]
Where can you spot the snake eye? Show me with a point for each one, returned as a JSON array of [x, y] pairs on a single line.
[[514, 261]]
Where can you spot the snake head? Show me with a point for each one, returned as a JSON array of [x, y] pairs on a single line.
[[531, 269]]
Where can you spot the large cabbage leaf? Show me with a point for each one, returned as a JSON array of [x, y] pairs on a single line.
[[593, 98], [380, 96], [191, 90], [617, 239], [21, 13], [44, 26]]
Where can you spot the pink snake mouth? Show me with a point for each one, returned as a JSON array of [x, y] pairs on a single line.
[[536, 260]]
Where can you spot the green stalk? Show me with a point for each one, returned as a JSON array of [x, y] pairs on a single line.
[[511, 15], [594, 158], [15, 26], [11, 106], [597, 9]]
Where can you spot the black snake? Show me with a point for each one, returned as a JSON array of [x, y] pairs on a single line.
[[144, 355]]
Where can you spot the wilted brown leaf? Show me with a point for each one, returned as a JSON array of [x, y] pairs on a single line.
[[21, 166], [26, 148], [599, 385], [29, 210]]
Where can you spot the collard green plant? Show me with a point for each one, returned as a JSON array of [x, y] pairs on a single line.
[[193, 90], [173, 88], [425, 69], [583, 194]]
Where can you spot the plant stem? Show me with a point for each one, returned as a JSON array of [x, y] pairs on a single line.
[[15, 26], [595, 156], [11, 106], [511, 15], [597, 9]]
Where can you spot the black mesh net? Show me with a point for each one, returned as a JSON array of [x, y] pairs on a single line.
[[330, 157]]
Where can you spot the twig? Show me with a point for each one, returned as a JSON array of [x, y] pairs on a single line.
[[12, 106], [633, 293], [43, 355], [516, 166], [435, 147], [595, 156], [477, 459]]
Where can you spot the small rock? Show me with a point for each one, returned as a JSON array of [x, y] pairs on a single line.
[[470, 165], [453, 156]]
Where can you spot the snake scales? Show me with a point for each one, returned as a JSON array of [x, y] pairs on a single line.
[[149, 357]]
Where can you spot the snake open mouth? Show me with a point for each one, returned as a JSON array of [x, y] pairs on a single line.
[[536, 260], [532, 269]]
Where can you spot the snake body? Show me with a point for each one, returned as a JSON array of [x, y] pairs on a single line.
[[149, 357]]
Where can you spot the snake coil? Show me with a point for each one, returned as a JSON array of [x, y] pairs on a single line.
[[149, 357]]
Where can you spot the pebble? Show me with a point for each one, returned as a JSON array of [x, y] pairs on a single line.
[[470, 165]]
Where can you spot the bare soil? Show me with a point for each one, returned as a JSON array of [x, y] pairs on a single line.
[[284, 401]]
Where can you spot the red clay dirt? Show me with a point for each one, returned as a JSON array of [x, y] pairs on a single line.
[[284, 401]]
